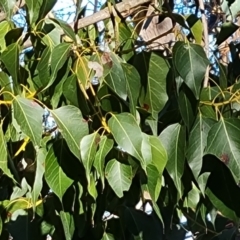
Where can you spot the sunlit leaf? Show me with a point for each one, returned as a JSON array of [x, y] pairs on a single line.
[[119, 176], [5, 27], [28, 115], [115, 79], [127, 134], [173, 139], [153, 70], [67, 119], [191, 63], [7, 7]]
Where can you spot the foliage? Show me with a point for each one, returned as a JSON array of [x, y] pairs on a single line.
[[148, 131]]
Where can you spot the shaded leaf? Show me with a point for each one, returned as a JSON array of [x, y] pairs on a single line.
[[10, 59], [33, 8], [223, 141], [105, 145], [227, 30], [38, 181], [68, 224], [58, 58], [4, 155], [119, 176], [191, 63], [133, 86], [88, 148], [56, 179], [173, 139], [67, 118], [197, 143], [46, 7], [28, 115]]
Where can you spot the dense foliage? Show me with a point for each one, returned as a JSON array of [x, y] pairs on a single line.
[[131, 126]]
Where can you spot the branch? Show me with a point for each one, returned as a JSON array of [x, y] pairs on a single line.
[[126, 8], [206, 39]]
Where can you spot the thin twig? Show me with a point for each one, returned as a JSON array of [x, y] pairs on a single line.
[[206, 39]]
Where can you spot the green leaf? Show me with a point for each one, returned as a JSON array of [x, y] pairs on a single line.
[[7, 7], [193, 198], [223, 141], [33, 8], [60, 54], [173, 139], [197, 143], [38, 181], [4, 154], [67, 119], [5, 82], [191, 63], [133, 86], [68, 224], [196, 27], [82, 71], [153, 70], [227, 30], [127, 134], [107, 236], [223, 78], [202, 182], [154, 181], [28, 115], [88, 148], [159, 154], [56, 179], [119, 176], [115, 79], [46, 7], [105, 145], [10, 59], [5, 27], [185, 108], [66, 28], [218, 204], [43, 67]]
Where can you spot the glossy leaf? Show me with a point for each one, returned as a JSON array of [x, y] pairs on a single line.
[[67, 118], [56, 179], [223, 141], [191, 63], [127, 134], [88, 148], [133, 86], [153, 70], [197, 143], [28, 115], [105, 145], [173, 139], [4, 154], [115, 79], [46, 7], [119, 176], [227, 30]]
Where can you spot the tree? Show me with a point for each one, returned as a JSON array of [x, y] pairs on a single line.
[[139, 122]]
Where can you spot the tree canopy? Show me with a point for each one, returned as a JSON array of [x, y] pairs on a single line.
[[98, 125]]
